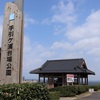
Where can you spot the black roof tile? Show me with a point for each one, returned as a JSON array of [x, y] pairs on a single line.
[[63, 66]]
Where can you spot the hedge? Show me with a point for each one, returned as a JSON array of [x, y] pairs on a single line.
[[82, 89], [95, 87], [24, 92], [35, 91], [69, 91], [54, 95]]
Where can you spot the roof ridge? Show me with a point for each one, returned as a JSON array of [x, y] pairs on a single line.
[[44, 65], [66, 59]]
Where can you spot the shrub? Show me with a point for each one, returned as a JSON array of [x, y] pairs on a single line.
[[24, 92], [65, 91], [69, 91], [54, 95], [95, 87], [82, 89]]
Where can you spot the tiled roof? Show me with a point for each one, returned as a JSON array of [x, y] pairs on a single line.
[[63, 66]]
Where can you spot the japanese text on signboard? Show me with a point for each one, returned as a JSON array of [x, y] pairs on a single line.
[[9, 50]]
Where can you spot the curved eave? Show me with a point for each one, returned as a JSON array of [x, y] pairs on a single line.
[[66, 72], [36, 71], [90, 72], [77, 70]]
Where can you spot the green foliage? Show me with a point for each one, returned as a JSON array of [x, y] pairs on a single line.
[[24, 92], [95, 87], [69, 91], [82, 89], [40, 92], [54, 95], [65, 91]]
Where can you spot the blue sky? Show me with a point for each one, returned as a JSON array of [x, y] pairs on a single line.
[[60, 29]]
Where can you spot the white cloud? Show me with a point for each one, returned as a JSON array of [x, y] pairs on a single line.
[[64, 12], [34, 56], [83, 41], [46, 21], [90, 28], [61, 45], [87, 43], [81, 38], [83, 45], [29, 20], [95, 52]]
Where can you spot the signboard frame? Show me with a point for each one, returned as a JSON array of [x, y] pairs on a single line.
[[70, 78]]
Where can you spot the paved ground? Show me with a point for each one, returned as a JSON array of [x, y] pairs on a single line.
[[94, 96], [68, 98]]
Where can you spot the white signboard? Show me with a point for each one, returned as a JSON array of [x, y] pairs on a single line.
[[70, 78]]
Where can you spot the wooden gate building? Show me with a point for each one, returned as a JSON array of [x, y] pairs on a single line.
[[56, 72]]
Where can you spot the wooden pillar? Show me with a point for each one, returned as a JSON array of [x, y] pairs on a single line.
[[87, 79], [79, 79], [44, 78], [48, 79], [82, 80], [63, 82], [52, 81], [39, 78], [66, 80]]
